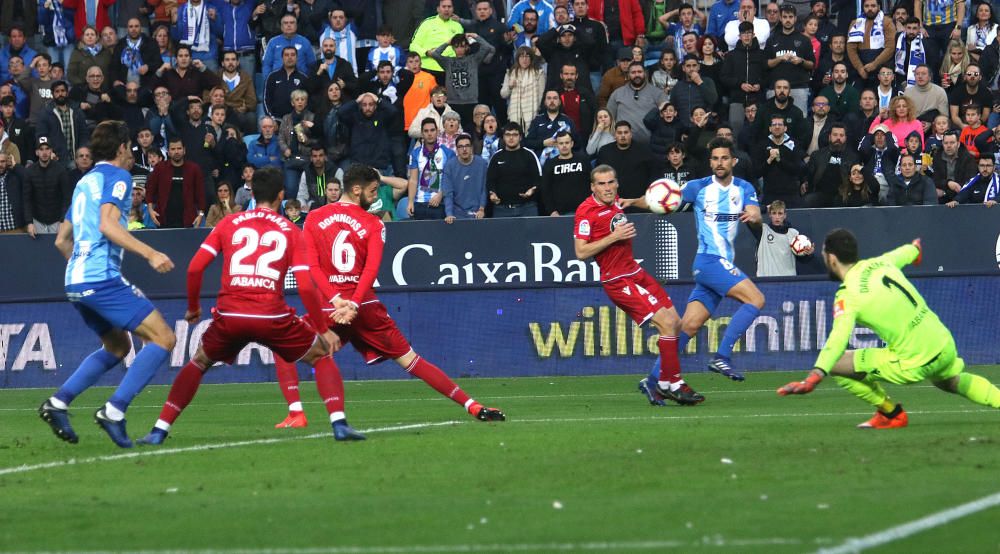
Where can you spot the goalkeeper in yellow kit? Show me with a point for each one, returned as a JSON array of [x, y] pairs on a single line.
[[877, 295]]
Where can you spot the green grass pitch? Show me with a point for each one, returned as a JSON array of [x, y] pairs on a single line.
[[582, 464]]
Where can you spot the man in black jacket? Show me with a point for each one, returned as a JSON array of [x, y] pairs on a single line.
[[632, 161], [594, 33], [982, 188], [828, 167], [559, 47], [513, 176], [316, 176], [135, 55], [743, 74], [367, 123], [779, 162], [329, 68], [953, 166], [790, 56], [47, 189]]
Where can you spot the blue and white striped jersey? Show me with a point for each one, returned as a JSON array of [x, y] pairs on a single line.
[[95, 258], [717, 212]]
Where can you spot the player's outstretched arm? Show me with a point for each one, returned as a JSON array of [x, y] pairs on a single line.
[[751, 215], [907, 254], [111, 228], [804, 386], [635, 203]]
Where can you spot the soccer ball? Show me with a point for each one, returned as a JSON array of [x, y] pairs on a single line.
[[801, 245], [663, 196]]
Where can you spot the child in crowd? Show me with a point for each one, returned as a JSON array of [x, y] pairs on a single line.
[[293, 211], [774, 249]]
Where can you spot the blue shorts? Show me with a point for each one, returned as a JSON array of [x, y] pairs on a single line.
[[111, 304], [714, 277]]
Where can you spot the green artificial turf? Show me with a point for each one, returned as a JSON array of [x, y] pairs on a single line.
[[581, 464]]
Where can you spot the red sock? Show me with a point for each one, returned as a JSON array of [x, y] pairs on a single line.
[[670, 363], [433, 376], [181, 392], [288, 380], [330, 384]]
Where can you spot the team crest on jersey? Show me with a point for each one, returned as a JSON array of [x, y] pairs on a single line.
[[617, 220], [584, 229], [119, 190], [838, 309]]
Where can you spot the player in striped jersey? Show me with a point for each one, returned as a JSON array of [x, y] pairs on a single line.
[[94, 237], [721, 202]]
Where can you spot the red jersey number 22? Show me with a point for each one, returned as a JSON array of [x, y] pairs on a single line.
[[251, 241]]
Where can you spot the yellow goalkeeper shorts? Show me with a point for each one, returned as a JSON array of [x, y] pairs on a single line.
[[885, 365]]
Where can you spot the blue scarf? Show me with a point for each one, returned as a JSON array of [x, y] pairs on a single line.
[[59, 25]]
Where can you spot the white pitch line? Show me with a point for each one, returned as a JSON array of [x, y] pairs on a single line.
[[916, 526], [152, 451], [494, 398], [145, 452], [708, 542]]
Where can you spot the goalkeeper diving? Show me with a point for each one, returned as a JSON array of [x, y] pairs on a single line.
[[875, 293]]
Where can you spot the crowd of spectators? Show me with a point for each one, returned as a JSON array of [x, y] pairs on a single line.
[[495, 108]]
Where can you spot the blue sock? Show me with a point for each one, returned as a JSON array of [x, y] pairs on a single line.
[[737, 326], [146, 362], [90, 370], [682, 343]]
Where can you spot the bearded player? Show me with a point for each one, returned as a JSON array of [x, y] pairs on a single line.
[[343, 246], [875, 293], [721, 202], [603, 232], [257, 248]]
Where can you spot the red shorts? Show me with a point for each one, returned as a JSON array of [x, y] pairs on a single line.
[[639, 295], [374, 334], [288, 336]]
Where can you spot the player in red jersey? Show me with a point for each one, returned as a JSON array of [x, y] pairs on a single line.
[[343, 248], [602, 231], [258, 247]]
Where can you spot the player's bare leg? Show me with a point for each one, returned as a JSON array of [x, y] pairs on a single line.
[[330, 384], [889, 414], [116, 344], [669, 383], [433, 376], [752, 300], [288, 382]]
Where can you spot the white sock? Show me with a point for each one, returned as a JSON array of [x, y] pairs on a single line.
[[469, 402], [671, 386], [58, 404], [295, 407], [114, 414], [337, 416], [161, 425]]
